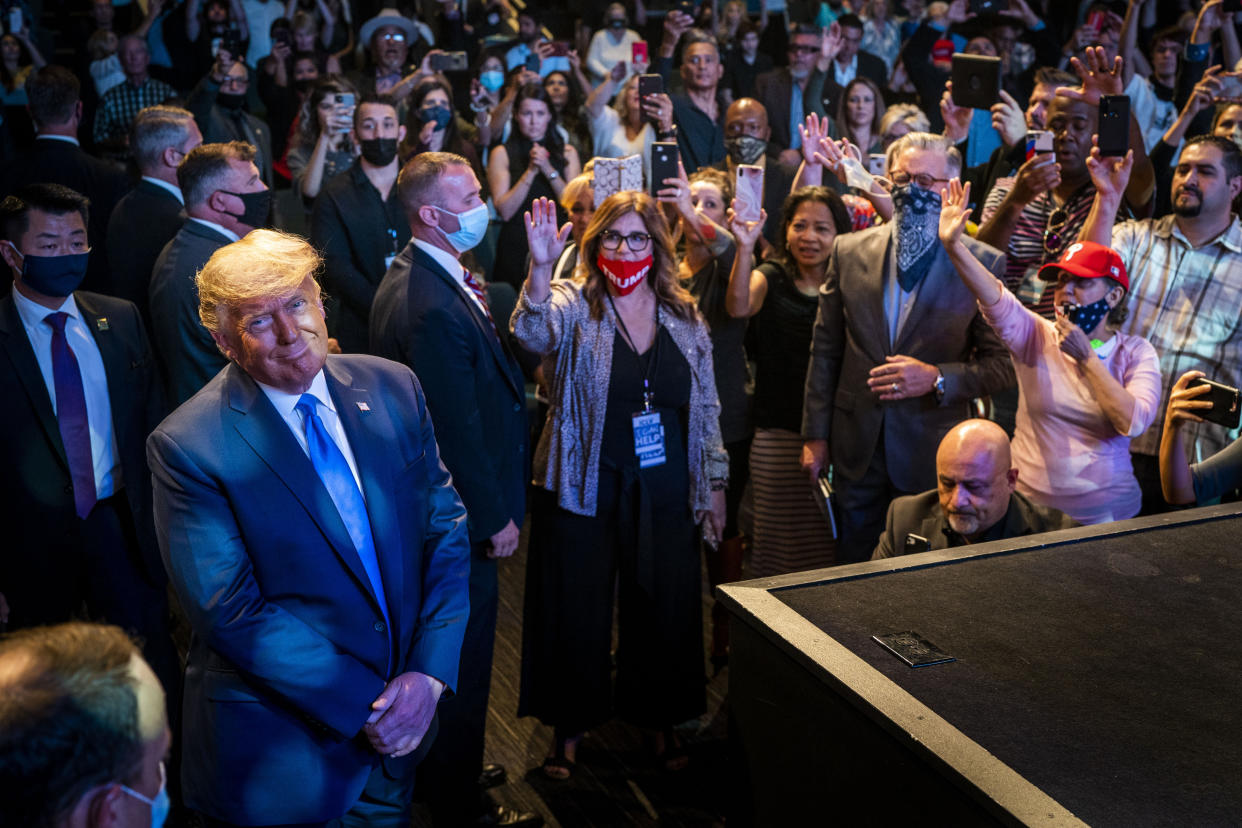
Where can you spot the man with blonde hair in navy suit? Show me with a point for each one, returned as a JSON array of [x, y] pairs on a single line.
[[319, 550]]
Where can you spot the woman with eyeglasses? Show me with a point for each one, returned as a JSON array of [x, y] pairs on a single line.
[[629, 463], [535, 162], [781, 299], [1085, 389]]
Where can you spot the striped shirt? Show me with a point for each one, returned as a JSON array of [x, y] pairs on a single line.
[[1027, 251], [1187, 303], [123, 102]]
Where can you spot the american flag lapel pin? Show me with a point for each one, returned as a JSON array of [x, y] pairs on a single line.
[[101, 324], [363, 407]]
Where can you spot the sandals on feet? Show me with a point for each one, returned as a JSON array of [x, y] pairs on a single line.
[[559, 766]]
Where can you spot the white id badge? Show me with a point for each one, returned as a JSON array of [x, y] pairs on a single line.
[[648, 439], [1032, 288]]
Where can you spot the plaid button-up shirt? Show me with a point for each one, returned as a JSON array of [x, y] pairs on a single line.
[[123, 102], [1188, 303]]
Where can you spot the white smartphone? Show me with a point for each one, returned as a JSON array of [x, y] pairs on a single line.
[[749, 191]]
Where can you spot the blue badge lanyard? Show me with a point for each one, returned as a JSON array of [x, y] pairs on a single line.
[[654, 362]]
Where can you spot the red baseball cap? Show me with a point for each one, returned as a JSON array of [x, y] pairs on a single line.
[[1088, 260]]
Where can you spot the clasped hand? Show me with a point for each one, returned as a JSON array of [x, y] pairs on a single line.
[[902, 377], [401, 715]]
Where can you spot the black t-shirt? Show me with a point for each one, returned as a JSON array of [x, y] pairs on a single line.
[[781, 341]]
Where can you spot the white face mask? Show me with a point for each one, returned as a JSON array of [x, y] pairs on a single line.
[[160, 805], [471, 228]]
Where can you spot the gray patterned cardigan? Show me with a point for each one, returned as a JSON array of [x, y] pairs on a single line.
[[577, 361]]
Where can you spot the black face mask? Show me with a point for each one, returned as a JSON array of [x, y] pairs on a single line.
[[379, 152], [231, 102], [255, 206], [303, 86]]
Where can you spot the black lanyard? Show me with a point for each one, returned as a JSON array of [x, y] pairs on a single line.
[[652, 363]]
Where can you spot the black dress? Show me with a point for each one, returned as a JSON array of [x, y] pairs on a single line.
[[643, 540]]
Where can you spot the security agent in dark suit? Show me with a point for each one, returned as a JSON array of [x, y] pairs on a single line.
[[898, 349], [152, 213], [81, 396], [57, 158], [358, 223], [218, 103], [975, 500], [432, 315], [225, 200], [319, 551]]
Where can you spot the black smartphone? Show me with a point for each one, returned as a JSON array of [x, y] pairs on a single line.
[[663, 164], [1114, 128], [649, 85], [976, 80], [451, 62], [533, 63], [1224, 410], [231, 43], [988, 6], [283, 36]]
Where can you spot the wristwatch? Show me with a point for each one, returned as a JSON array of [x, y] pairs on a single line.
[[939, 386], [552, 176]]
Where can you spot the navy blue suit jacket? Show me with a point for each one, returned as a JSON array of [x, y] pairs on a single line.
[[290, 647], [475, 389]]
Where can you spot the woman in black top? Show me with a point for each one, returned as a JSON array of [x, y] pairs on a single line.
[[781, 298], [535, 162]]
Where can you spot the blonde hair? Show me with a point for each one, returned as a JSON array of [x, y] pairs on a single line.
[[663, 274], [264, 264], [576, 188]]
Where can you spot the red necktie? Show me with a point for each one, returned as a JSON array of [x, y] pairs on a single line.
[[481, 295]]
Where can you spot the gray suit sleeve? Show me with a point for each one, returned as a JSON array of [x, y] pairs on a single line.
[[827, 347]]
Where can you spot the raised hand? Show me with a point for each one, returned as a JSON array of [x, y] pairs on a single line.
[[1109, 174], [617, 74], [956, 118], [1009, 120], [954, 212], [659, 108], [544, 240], [1037, 175], [813, 132], [747, 233], [1097, 76], [830, 42]]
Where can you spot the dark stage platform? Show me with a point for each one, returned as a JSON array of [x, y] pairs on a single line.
[[1098, 679]]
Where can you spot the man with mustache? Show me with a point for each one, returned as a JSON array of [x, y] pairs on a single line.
[[1185, 284], [975, 499]]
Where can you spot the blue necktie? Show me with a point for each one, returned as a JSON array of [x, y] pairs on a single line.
[[334, 471], [75, 429]]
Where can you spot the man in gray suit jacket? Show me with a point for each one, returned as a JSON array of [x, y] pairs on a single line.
[[898, 351], [224, 200]]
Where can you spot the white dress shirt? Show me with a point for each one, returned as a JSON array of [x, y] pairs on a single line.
[[164, 185], [219, 228], [286, 406], [104, 449]]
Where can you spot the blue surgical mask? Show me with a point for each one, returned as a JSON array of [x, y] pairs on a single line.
[[472, 226], [440, 114], [492, 80], [53, 275], [160, 805]]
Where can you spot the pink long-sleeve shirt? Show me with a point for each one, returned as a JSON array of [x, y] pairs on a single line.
[[1068, 454]]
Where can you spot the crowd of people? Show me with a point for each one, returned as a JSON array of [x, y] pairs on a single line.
[[314, 305]]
